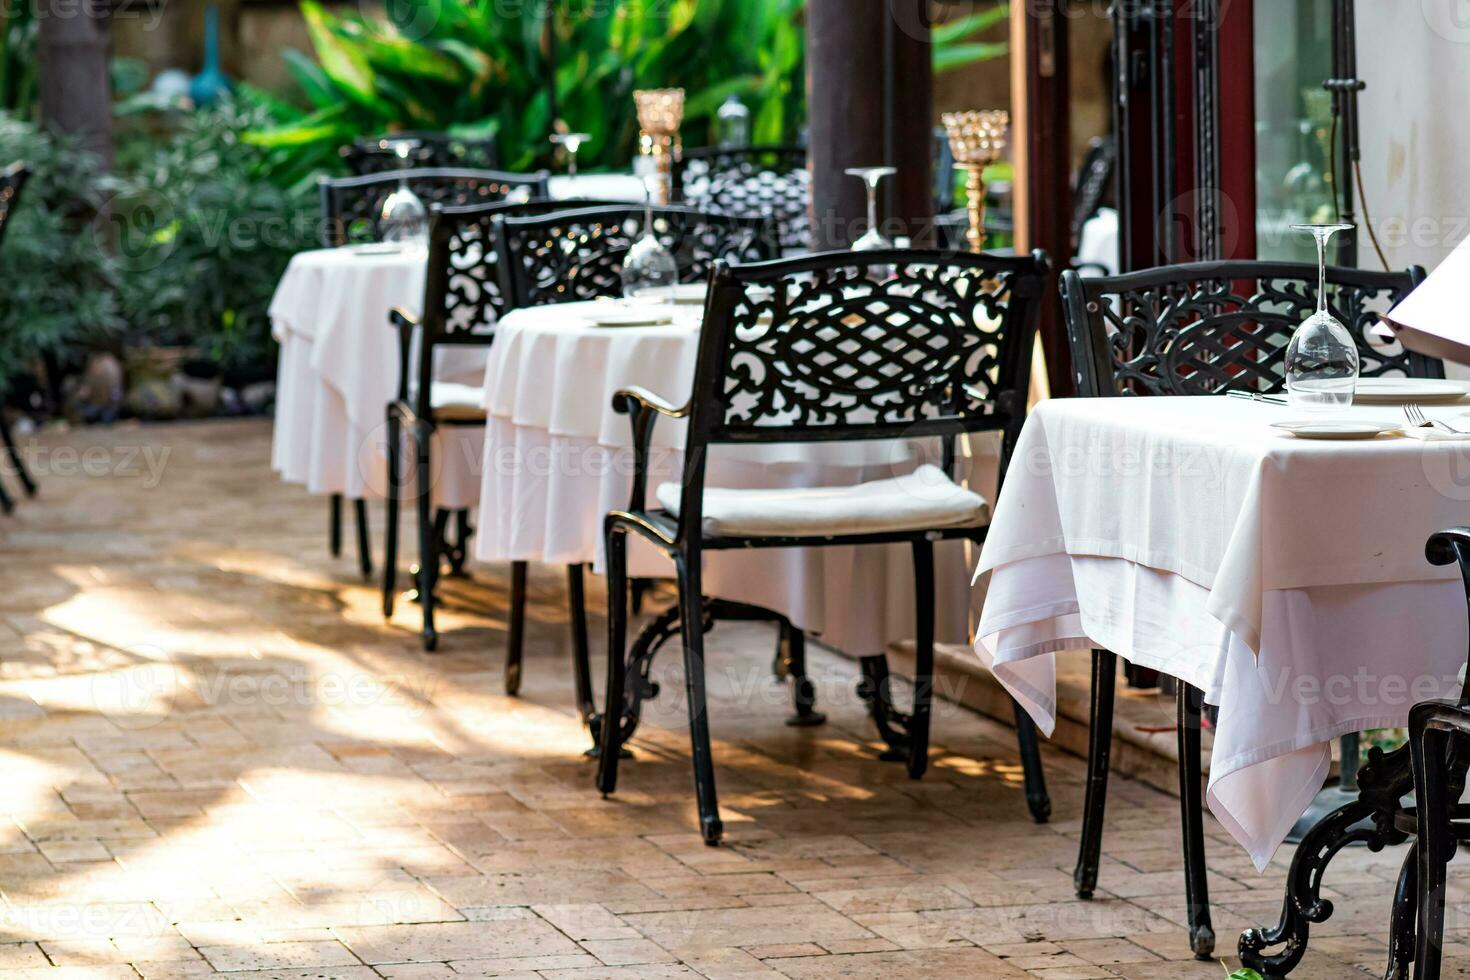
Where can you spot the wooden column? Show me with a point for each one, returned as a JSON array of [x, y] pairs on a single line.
[[870, 102], [1040, 152], [76, 94]]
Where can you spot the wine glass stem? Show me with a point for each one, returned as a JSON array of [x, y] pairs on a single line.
[[571, 163], [1321, 272], [872, 207]]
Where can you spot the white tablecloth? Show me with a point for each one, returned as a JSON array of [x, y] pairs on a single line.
[[338, 366], [1285, 578], [338, 370], [599, 187], [557, 458]]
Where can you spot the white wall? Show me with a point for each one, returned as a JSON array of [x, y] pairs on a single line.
[[1414, 56]]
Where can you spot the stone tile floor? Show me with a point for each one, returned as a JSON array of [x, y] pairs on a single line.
[[218, 759]]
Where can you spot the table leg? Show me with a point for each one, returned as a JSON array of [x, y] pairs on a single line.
[[1370, 820]]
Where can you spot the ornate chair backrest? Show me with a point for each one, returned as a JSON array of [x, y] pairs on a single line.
[[577, 254], [12, 181], [769, 181], [352, 206], [372, 156], [1208, 327], [1090, 186], [463, 297], [845, 346]]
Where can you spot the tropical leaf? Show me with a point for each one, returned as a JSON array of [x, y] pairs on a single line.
[[958, 55]]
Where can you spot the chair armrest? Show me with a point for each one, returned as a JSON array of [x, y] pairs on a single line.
[[629, 401], [1446, 548], [643, 408], [405, 323]]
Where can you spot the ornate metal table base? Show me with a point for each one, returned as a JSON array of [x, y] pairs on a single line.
[[1376, 819], [790, 663]]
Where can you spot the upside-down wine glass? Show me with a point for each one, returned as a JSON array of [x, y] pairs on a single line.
[[1322, 358], [649, 270], [871, 176], [404, 219], [571, 142]]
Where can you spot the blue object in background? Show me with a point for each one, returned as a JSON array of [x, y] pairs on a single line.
[[211, 83]]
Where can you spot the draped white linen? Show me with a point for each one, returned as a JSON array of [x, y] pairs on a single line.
[[557, 458], [1284, 578], [338, 370]]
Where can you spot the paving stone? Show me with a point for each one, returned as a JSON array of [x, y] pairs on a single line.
[[306, 795]]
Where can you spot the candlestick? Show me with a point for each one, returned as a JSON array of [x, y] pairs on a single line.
[[660, 111], [977, 139]]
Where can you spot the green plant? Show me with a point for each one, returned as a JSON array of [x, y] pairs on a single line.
[[205, 227], [58, 294], [476, 68], [18, 32]]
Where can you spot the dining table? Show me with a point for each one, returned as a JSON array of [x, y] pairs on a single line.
[[1282, 576], [339, 361], [558, 457]]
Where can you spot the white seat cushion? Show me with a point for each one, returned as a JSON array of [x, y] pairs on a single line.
[[925, 498], [451, 400]]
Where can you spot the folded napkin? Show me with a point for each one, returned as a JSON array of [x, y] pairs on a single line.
[[1426, 433]]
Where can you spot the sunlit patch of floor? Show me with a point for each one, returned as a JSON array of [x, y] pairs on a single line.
[[219, 759]]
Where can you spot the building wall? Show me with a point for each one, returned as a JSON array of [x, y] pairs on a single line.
[[1415, 57]]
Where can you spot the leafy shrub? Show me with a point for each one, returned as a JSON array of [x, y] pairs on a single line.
[[480, 67], [205, 229], [58, 297]]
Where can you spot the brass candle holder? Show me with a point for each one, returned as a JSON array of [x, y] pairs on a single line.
[[660, 112], [977, 138]]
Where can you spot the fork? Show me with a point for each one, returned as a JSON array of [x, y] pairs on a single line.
[[1419, 420]]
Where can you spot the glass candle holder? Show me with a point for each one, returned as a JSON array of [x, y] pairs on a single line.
[[977, 138], [660, 113]]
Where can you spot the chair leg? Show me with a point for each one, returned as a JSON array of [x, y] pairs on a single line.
[[390, 526], [1436, 843], [1196, 887], [1403, 918], [610, 744], [7, 505], [428, 539], [1099, 748], [918, 756], [364, 539], [581, 657], [1033, 776], [334, 525], [24, 475], [803, 691], [515, 640], [691, 615]]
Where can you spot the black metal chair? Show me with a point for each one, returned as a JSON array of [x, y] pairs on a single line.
[[352, 206], [352, 214], [833, 347], [1202, 329], [577, 254], [765, 181], [12, 182], [572, 255], [376, 155], [463, 300], [1439, 745]]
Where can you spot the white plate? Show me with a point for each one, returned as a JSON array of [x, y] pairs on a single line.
[[631, 316], [378, 248], [690, 292], [1398, 391], [1335, 429]]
